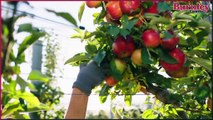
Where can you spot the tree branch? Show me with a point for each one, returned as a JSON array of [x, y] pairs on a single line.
[[6, 51], [163, 95]]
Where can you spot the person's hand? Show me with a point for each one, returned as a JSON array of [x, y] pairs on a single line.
[[90, 76]]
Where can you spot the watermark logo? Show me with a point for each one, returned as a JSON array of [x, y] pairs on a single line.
[[192, 7]]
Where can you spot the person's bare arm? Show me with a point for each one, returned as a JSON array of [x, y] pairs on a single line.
[[78, 105], [90, 76]]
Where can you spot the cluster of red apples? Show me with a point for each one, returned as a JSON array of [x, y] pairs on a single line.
[[150, 38]]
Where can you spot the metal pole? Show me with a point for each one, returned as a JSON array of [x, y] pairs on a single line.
[[36, 65]]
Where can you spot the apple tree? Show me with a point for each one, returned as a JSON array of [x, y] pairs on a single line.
[[151, 48]]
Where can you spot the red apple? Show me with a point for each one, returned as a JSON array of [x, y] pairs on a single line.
[[139, 22], [150, 38], [179, 56], [170, 42], [93, 4], [123, 47], [136, 57], [153, 9], [182, 72], [111, 81], [129, 7], [114, 10], [110, 20]]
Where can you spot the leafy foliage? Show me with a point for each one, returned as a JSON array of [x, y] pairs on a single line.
[[66, 16], [47, 93], [16, 98], [18, 95], [172, 94]]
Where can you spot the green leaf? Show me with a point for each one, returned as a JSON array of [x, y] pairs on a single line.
[[158, 20], [99, 57], [105, 90], [124, 20], [183, 41], [103, 94], [159, 80], [193, 24], [5, 30], [199, 53], [38, 108], [37, 75], [187, 63], [27, 27], [164, 55], [124, 32], [190, 41], [11, 88], [191, 34], [131, 24], [163, 6], [146, 57], [76, 58], [20, 116], [149, 114], [126, 23], [80, 34], [91, 49], [204, 24], [103, 98], [167, 35], [10, 108], [203, 46], [207, 64], [5, 96], [150, 16], [201, 35], [128, 100], [28, 97], [76, 36], [184, 17], [16, 69], [202, 92], [19, 59], [116, 73], [81, 11], [113, 30], [99, 16], [29, 40], [23, 84], [147, 4], [66, 16]]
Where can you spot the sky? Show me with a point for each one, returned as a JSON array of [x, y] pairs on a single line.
[[68, 47]]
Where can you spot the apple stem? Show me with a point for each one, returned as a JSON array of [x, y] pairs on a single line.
[[103, 5]]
